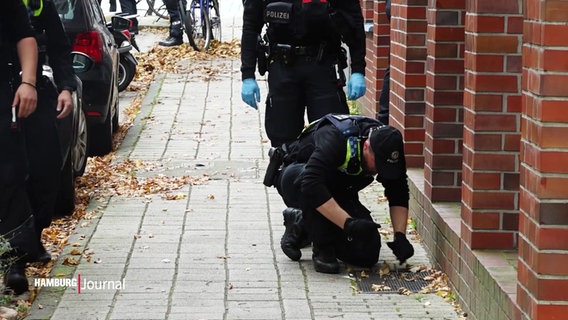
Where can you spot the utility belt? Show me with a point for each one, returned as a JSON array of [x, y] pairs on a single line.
[[288, 53]]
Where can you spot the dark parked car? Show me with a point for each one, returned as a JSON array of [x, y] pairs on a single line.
[[87, 30], [73, 141]]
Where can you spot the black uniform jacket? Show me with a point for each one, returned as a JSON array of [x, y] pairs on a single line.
[[14, 24], [353, 36], [53, 41], [322, 179]]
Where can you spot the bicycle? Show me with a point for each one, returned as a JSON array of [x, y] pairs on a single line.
[[160, 11], [202, 23]]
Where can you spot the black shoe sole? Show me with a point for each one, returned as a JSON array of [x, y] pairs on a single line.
[[325, 267], [293, 253]]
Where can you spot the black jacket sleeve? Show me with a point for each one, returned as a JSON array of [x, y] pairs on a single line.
[[321, 174], [350, 13], [58, 48], [397, 192], [252, 27], [321, 167], [15, 20]]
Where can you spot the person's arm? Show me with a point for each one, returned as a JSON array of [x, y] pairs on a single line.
[[26, 95], [59, 57], [17, 21], [399, 218], [397, 193], [355, 37], [253, 22], [333, 212], [329, 154]]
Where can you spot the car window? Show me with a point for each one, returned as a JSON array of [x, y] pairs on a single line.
[[70, 13], [98, 14]]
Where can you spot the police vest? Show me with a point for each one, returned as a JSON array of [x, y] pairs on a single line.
[[291, 21], [352, 128], [35, 7]]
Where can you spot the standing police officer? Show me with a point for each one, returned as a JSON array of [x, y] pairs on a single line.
[[304, 48], [17, 100], [175, 37], [54, 102], [332, 160]]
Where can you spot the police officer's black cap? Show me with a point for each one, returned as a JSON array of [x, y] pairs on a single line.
[[388, 147]]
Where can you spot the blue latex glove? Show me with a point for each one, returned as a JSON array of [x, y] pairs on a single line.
[[250, 93], [356, 86]]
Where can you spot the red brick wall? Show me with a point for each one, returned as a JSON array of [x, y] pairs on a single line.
[[543, 238], [378, 49], [407, 75], [492, 102], [444, 100]]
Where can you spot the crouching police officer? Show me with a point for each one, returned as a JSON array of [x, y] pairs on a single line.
[[18, 52], [305, 60], [54, 102], [323, 171]]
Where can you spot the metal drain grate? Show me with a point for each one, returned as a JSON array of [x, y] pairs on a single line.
[[392, 282]]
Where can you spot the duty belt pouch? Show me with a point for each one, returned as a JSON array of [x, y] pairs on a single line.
[[278, 12]]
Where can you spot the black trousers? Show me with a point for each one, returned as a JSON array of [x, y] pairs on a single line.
[[16, 220], [44, 154], [321, 230], [175, 19], [294, 88], [129, 6], [384, 98]]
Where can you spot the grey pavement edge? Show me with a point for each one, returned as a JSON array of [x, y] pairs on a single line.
[[214, 252]]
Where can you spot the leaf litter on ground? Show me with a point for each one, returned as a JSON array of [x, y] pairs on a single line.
[[103, 177]]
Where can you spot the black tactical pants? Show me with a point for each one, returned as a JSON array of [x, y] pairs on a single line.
[[384, 98], [16, 220], [129, 6], [175, 19], [44, 154], [322, 231], [300, 85]]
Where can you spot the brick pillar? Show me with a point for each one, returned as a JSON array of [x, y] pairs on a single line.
[[407, 75], [491, 137], [378, 46], [543, 229], [444, 101]]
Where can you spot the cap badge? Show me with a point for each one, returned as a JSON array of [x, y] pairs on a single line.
[[393, 157]]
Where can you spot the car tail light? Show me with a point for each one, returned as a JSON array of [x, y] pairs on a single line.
[[126, 33], [91, 44]]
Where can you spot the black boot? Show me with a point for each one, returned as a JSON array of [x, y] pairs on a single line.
[[295, 236], [44, 256], [171, 41], [15, 279], [325, 260]]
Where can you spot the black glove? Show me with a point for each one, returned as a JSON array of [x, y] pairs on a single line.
[[362, 229], [401, 247]]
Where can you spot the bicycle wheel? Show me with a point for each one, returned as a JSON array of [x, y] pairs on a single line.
[[200, 38], [186, 21], [158, 10], [215, 17]]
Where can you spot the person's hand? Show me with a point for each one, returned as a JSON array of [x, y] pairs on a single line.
[[362, 229], [401, 247], [250, 93], [356, 86], [64, 104], [25, 99]]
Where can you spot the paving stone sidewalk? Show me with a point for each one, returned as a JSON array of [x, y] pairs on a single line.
[[212, 253]]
